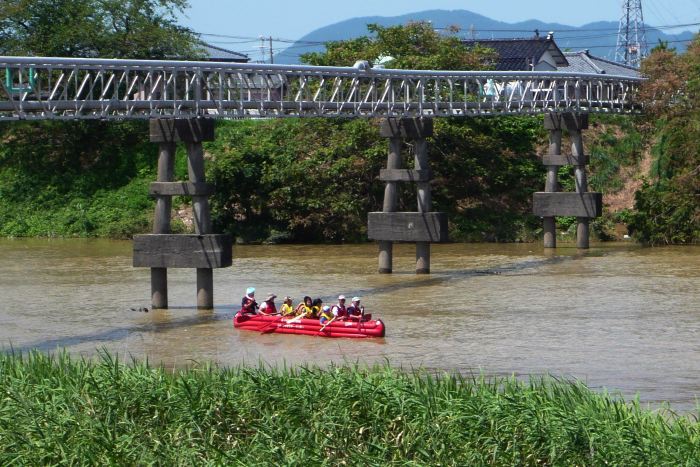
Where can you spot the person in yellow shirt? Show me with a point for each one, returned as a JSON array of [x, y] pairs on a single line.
[[286, 309]]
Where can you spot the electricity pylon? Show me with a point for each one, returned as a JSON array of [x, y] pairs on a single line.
[[631, 36]]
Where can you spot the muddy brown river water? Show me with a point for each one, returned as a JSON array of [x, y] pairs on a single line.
[[618, 316]]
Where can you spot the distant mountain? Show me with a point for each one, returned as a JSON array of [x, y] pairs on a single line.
[[600, 37]]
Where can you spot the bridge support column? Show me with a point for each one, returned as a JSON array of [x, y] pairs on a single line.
[[551, 203], [394, 162], [161, 250], [161, 223], [582, 233], [424, 202], [552, 184], [421, 227]]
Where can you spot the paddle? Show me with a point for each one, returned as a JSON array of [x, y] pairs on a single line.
[[329, 322], [269, 328], [296, 319]]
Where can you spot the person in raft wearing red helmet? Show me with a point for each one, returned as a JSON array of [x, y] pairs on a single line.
[[248, 303], [268, 306], [339, 310]]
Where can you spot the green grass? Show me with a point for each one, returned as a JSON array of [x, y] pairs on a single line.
[[54, 409]]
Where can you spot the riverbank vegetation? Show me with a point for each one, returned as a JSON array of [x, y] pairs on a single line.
[[60, 410], [314, 180], [668, 203]]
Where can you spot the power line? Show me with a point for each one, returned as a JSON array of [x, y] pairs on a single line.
[[563, 35], [246, 39]]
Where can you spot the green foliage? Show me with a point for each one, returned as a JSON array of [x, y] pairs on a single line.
[[617, 146], [666, 214], [414, 46], [62, 179], [316, 180], [95, 28], [668, 205], [83, 178], [485, 173], [668, 208], [286, 180], [57, 410], [311, 180]]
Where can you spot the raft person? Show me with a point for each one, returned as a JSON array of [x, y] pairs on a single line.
[[316, 307], [339, 310], [248, 303], [268, 306], [326, 314], [286, 308], [355, 311], [305, 308]]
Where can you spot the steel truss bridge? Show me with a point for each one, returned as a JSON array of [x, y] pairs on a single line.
[[43, 88]]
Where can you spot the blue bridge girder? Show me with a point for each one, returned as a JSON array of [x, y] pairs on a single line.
[[46, 88]]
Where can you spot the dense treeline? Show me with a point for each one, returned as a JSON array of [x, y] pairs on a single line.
[[315, 180], [668, 205], [60, 411], [291, 180]]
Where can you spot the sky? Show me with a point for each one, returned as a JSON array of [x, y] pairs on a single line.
[[292, 19]]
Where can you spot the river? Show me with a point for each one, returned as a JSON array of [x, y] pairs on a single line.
[[617, 316]]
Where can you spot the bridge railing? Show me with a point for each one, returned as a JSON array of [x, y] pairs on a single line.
[[70, 88]]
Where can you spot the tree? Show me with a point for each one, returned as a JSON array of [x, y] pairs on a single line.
[[414, 46], [668, 205], [95, 28]]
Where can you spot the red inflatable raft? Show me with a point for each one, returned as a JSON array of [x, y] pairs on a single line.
[[311, 327]]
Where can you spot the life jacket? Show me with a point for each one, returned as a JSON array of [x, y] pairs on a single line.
[[248, 305], [270, 309], [354, 311], [340, 310], [326, 314], [286, 310], [315, 311], [304, 310]]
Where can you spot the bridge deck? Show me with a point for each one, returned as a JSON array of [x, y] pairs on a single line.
[[42, 88]]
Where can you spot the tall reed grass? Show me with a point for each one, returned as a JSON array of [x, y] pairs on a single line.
[[58, 409]]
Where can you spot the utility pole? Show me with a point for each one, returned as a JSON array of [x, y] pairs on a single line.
[[271, 59], [262, 49], [631, 35]]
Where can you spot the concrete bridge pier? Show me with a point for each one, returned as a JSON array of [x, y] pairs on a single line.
[[424, 198], [161, 222], [162, 250], [394, 162], [421, 227], [582, 204], [552, 185]]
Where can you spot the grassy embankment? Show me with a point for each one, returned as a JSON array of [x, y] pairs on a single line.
[[62, 410]]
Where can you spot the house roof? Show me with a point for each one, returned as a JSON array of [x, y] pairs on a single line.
[[521, 54], [217, 54], [584, 62]]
